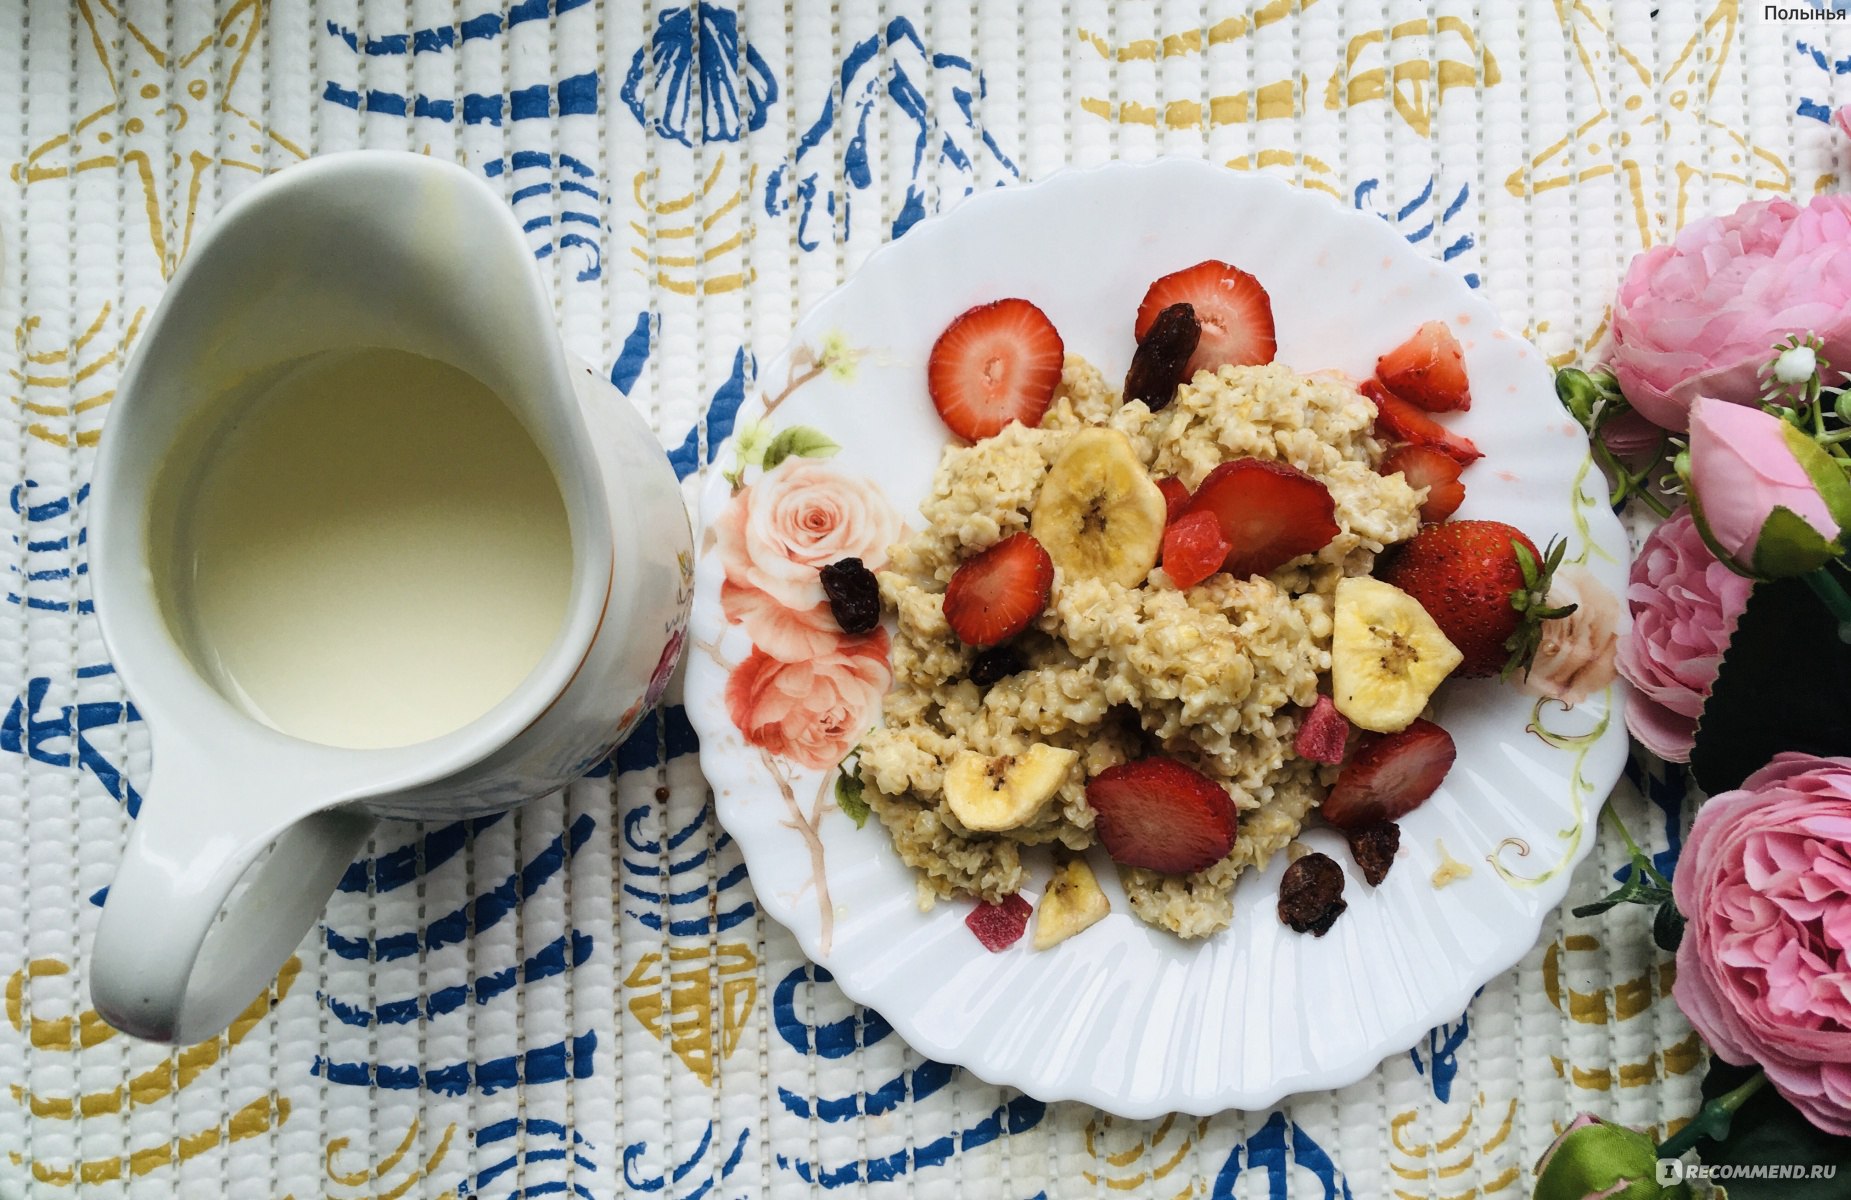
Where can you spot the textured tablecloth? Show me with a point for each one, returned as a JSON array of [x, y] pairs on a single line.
[[582, 998]]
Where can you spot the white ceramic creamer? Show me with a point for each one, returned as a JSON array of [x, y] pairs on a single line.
[[364, 542]]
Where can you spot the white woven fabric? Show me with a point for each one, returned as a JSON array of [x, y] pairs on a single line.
[[582, 998]]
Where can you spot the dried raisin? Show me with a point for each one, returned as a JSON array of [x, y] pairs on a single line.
[[1311, 894], [1162, 357], [854, 596], [1373, 847], [996, 663]]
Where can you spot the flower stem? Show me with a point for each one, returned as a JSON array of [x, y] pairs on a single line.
[[1833, 596], [1611, 814], [1619, 827], [1652, 502], [1713, 1119]]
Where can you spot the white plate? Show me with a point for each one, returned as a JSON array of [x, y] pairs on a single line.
[[1124, 1016]]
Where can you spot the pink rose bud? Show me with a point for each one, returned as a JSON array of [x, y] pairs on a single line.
[[1841, 119], [1767, 499]]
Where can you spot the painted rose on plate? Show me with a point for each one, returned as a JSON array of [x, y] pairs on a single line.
[[775, 537], [807, 692], [811, 712], [1575, 658]]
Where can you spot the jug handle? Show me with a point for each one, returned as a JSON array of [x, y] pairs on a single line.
[[165, 966]]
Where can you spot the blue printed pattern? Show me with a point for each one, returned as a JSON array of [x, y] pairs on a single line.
[[530, 177], [669, 885], [1284, 1152], [529, 1157], [1433, 219], [45, 565], [557, 198], [59, 736], [1437, 1057], [693, 64], [893, 67], [716, 423], [439, 848], [1666, 785], [576, 94], [1820, 109], [844, 1037], [702, 1174]]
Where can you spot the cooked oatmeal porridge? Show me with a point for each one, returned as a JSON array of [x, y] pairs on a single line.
[[1218, 676]]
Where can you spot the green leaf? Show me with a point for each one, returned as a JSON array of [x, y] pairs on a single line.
[[849, 798], [1642, 885], [1740, 729], [1768, 1130], [1668, 926], [801, 441], [1789, 546], [1526, 562], [1827, 474]]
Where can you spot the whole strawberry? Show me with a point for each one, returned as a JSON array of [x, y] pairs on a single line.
[[1485, 585]]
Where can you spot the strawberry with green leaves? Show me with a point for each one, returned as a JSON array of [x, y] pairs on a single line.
[[1486, 586]]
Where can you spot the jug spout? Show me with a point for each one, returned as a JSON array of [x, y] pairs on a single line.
[[167, 966]]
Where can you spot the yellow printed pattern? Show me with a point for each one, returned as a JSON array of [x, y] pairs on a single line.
[[392, 1177], [1411, 65], [1632, 133], [59, 384], [1442, 1165], [151, 118], [703, 981], [689, 266], [1624, 1000], [1130, 1158], [67, 1034]]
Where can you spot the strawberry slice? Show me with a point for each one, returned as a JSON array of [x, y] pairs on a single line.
[[1194, 548], [1269, 512], [997, 363], [1428, 370], [1323, 734], [1234, 311], [1390, 775], [1159, 814], [1175, 496], [1000, 926], [1398, 421], [1430, 468], [995, 595]]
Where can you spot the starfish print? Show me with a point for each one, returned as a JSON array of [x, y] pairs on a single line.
[[155, 101], [1650, 109]]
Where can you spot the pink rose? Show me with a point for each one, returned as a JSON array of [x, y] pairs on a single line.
[[776, 536], [1684, 607], [1747, 465], [1575, 657], [1700, 316], [814, 711], [1763, 971], [1841, 119]]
